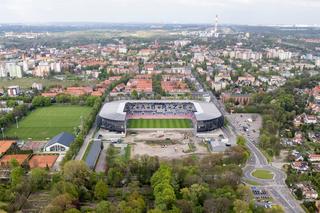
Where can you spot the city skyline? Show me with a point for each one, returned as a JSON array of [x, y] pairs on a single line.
[[251, 12]]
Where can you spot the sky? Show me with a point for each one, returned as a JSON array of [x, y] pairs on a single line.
[[251, 12]]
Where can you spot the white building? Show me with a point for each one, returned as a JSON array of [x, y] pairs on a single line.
[[13, 91], [42, 70], [14, 70], [3, 71], [55, 67], [123, 49], [37, 86], [60, 143]]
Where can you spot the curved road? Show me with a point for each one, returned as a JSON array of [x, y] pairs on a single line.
[[276, 186]]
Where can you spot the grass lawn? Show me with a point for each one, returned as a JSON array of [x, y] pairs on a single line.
[[262, 174], [160, 123], [27, 82], [47, 122]]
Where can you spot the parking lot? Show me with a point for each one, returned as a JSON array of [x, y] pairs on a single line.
[[247, 124], [262, 197]]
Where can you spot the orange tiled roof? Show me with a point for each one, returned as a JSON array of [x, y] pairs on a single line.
[[96, 93], [49, 94], [78, 91]]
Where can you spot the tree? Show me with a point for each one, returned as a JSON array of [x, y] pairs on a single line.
[[73, 210], [144, 167], [163, 191], [155, 211], [218, 205], [134, 94], [164, 196], [38, 178], [105, 207], [63, 187], [241, 206], [11, 103], [133, 203], [101, 190], [196, 193], [184, 205], [14, 163], [90, 101], [76, 172], [245, 193], [299, 193], [241, 141], [60, 203], [115, 176], [40, 101], [16, 176]]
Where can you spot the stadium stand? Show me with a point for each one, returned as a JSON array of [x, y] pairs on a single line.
[[204, 116]]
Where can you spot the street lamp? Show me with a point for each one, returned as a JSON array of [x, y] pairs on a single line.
[[2, 130], [17, 121], [81, 122]]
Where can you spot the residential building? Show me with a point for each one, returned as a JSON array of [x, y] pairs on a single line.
[[60, 143], [13, 91], [14, 70]]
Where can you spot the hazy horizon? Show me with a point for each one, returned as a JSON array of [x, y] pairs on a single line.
[[238, 12]]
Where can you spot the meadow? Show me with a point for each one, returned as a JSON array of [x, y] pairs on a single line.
[[47, 122]]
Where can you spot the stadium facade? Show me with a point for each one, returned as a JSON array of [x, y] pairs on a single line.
[[204, 116]]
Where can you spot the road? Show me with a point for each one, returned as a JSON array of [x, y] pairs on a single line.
[[276, 186], [86, 142], [89, 136]]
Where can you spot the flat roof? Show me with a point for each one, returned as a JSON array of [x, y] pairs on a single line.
[[114, 110], [94, 153]]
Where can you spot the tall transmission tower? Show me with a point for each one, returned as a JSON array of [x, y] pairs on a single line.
[[216, 34]]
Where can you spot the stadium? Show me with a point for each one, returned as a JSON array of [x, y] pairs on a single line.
[[119, 116]]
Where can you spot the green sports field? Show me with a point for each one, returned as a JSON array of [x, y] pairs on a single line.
[[160, 123], [47, 122]]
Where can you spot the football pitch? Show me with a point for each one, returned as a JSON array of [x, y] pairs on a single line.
[[159, 123], [47, 122]]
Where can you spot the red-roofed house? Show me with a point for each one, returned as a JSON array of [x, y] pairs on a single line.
[[97, 93], [314, 157], [49, 94], [139, 85], [78, 91]]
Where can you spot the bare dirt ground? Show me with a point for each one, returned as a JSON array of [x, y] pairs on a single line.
[[158, 135], [166, 145], [167, 151]]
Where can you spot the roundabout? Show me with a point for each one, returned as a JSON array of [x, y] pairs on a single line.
[[263, 174]]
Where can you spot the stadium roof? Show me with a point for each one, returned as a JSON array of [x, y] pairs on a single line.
[[114, 110]]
